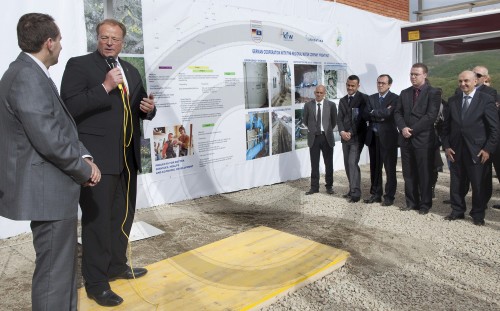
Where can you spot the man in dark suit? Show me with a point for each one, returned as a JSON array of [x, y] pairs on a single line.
[[107, 102], [320, 117], [496, 155], [352, 129], [415, 114], [470, 135], [482, 75], [42, 162], [381, 140]]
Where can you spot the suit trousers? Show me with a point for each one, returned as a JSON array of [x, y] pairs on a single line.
[[321, 145], [351, 153], [381, 156], [54, 279], [104, 244], [375, 167], [417, 171], [462, 172]]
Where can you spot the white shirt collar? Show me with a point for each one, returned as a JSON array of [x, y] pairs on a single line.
[[39, 63], [471, 94]]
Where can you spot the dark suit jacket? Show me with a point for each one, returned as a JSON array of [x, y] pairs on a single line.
[[41, 164], [345, 120], [478, 130], [329, 119], [99, 115], [384, 117], [419, 117]]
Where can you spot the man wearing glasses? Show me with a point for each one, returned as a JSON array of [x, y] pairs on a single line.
[[481, 73], [106, 97], [381, 140], [415, 114]]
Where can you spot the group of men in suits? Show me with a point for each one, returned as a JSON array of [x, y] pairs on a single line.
[[470, 138], [51, 146], [369, 120]]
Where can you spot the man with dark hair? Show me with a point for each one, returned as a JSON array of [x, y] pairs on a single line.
[[381, 140], [320, 117], [470, 135], [352, 130], [106, 97], [415, 114], [42, 162], [184, 142]]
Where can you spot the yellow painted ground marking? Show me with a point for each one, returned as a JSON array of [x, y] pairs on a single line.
[[242, 272]]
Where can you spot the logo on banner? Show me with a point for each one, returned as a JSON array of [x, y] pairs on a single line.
[[287, 35], [256, 31], [313, 38]]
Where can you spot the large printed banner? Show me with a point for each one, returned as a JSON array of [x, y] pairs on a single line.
[[231, 79]]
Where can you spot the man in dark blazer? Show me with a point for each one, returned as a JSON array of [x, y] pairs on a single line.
[[320, 137], [42, 162], [107, 102], [470, 135], [381, 140], [415, 114], [481, 73], [352, 130]]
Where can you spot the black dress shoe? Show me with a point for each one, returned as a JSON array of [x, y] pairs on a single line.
[[423, 211], [353, 200], [330, 191], [373, 199], [311, 191], [107, 298], [138, 272], [496, 206], [452, 217], [478, 222], [346, 196], [447, 201], [387, 203]]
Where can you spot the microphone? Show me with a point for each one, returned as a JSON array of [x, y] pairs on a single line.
[[111, 61]]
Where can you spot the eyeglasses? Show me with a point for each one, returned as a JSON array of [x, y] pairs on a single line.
[[113, 39], [479, 76], [382, 83]]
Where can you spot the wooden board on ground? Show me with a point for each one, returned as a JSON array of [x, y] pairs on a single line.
[[242, 272]]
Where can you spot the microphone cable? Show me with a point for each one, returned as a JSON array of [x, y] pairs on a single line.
[[127, 117]]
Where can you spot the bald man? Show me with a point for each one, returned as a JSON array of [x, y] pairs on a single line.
[[320, 117], [470, 136]]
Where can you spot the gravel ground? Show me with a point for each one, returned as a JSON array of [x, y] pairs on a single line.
[[399, 260]]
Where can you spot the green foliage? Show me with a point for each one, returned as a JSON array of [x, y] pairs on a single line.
[[146, 162], [444, 69], [138, 62], [94, 13], [129, 12]]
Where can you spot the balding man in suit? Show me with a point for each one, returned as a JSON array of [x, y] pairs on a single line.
[[470, 135], [41, 162], [320, 117]]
